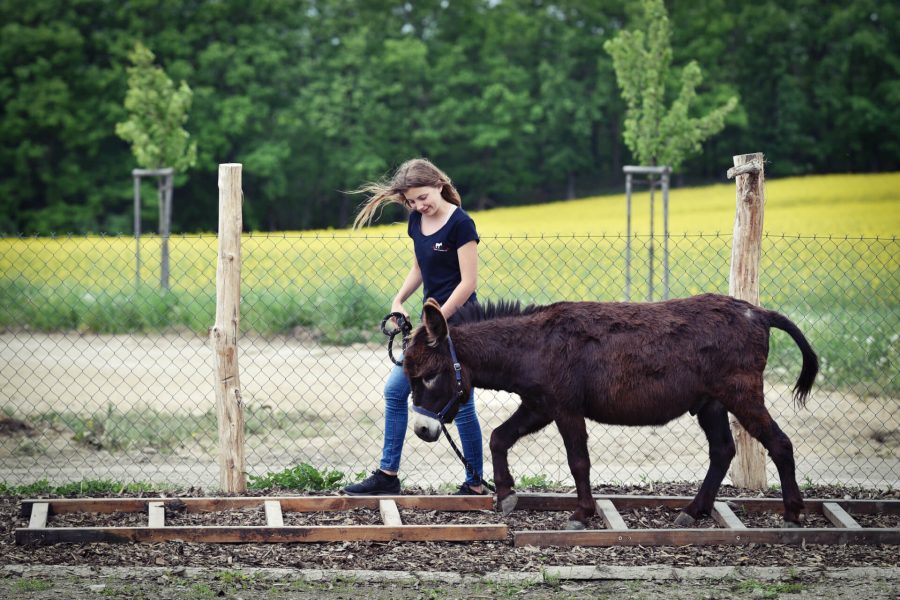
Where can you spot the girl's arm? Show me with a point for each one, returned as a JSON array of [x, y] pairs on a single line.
[[410, 284], [468, 269]]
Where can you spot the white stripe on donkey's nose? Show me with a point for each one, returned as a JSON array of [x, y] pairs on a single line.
[[426, 428]]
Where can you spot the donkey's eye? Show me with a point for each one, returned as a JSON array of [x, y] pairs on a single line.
[[430, 382]]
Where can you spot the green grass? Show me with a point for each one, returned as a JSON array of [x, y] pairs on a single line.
[[79, 488], [770, 590], [113, 430], [342, 314], [33, 585]]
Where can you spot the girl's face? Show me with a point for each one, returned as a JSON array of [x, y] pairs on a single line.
[[426, 200]]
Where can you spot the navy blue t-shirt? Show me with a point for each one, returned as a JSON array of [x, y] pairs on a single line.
[[436, 253]]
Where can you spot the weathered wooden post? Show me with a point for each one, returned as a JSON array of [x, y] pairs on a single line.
[[749, 466], [224, 333]]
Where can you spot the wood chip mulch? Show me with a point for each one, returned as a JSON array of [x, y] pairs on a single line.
[[472, 557]]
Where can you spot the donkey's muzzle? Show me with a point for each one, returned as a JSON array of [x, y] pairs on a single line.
[[426, 428]]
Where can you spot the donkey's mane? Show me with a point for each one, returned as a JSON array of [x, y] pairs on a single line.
[[474, 312]]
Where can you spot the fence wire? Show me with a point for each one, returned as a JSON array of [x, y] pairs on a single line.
[[105, 374]]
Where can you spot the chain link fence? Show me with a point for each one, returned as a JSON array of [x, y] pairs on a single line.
[[104, 375]]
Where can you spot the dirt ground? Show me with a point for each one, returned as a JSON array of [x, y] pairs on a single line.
[[336, 393]]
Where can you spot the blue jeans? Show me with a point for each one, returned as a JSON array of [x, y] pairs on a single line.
[[396, 414]]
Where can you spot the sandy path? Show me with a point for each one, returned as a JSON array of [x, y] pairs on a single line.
[[337, 390]]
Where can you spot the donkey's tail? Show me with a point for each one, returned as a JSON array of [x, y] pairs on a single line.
[[810, 360]]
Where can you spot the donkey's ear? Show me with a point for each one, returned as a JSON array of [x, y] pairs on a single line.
[[435, 323]]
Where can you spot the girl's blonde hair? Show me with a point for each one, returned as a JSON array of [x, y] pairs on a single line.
[[418, 172]]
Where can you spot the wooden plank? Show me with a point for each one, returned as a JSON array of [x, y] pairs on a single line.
[[258, 535], [611, 517], [288, 503], [274, 517], [390, 516], [38, 515], [553, 501], [838, 516], [156, 514], [681, 537], [725, 517]]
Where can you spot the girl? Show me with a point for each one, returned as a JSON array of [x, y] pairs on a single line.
[[445, 263]]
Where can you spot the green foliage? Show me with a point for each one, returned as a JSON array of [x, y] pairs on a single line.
[[515, 99], [769, 590], [642, 61], [303, 477], [536, 482], [33, 585], [86, 487], [156, 113]]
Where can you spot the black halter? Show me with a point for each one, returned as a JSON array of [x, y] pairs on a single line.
[[404, 327], [457, 369], [440, 416]]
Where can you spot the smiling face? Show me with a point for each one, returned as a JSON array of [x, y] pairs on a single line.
[[426, 200]]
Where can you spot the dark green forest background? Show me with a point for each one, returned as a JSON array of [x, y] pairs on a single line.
[[515, 99]]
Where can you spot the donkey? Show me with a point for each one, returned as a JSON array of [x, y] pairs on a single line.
[[613, 362]]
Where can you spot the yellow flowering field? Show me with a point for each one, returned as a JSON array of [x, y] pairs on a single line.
[[562, 249]]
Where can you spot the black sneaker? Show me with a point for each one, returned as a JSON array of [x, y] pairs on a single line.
[[378, 483], [465, 490]]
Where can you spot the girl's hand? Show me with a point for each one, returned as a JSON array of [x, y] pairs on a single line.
[[398, 307]]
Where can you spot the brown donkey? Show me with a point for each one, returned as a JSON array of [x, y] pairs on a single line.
[[616, 363]]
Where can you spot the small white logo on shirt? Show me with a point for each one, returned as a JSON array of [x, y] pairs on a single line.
[[439, 247]]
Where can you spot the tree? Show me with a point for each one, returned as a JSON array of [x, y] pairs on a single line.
[[157, 111], [642, 61]]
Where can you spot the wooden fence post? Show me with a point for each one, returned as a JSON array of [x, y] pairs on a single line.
[[748, 469], [224, 333]]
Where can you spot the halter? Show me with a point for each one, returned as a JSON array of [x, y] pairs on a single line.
[[404, 327], [457, 369]]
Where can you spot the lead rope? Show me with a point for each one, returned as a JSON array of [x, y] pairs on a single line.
[[469, 469]]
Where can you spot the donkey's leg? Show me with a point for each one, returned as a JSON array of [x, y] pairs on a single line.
[[573, 430], [524, 420], [713, 418], [751, 412]]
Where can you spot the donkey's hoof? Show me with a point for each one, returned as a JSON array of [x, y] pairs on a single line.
[[574, 526], [789, 524], [508, 504], [684, 520]]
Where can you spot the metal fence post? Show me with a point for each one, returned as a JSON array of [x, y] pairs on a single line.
[[628, 238]]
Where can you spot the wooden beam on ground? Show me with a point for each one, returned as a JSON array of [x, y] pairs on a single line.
[[838, 516], [700, 537], [156, 514], [38, 515], [725, 517], [288, 503], [555, 501], [390, 515], [259, 535], [611, 517], [274, 517]]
